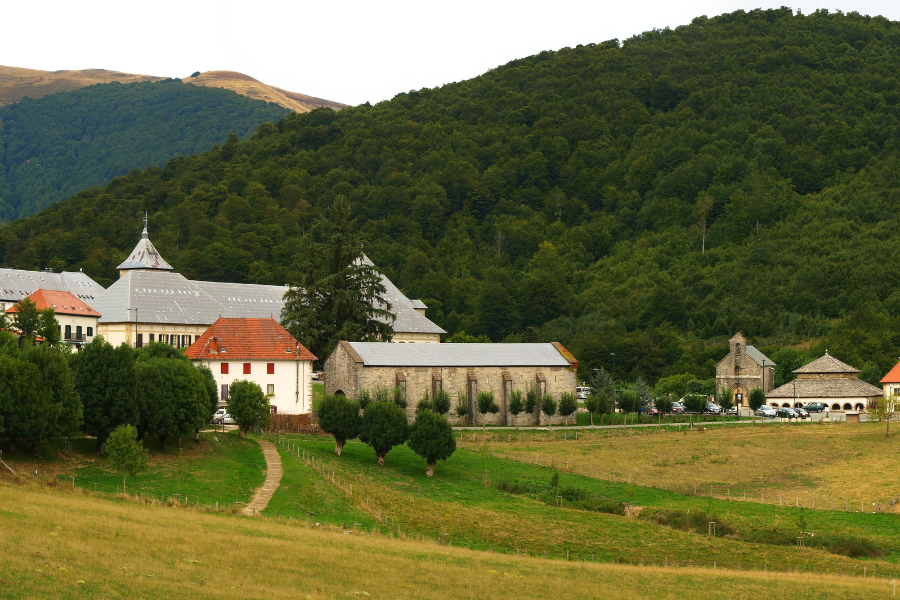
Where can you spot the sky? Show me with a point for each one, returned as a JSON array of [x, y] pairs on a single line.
[[349, 51]]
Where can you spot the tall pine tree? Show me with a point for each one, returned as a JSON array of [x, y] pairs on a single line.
[[338, 294]]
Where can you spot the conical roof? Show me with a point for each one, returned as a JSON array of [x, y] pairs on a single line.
[[144, 256], [827, 364]]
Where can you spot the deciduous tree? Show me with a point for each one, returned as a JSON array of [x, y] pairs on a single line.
[[339, 416], [548, 407], [568, 404], [248, 406], [516, 406], [431, 437], [384, 425], [126, 454]]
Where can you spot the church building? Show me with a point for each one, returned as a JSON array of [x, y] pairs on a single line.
[[152, 303], [743, 369]]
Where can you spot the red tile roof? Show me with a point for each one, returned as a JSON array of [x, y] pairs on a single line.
[[893, 375], [247, 339], [62, 303]]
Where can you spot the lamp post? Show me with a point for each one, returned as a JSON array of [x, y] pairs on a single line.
[[135, 325]]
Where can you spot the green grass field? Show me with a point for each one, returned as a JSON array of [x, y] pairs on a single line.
[[57, 543], [458, 503], [220, 468]]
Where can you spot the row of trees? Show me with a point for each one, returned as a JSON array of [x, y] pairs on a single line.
[[47, 392], [382, 424]]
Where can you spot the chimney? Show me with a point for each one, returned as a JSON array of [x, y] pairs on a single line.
[[214, 346]]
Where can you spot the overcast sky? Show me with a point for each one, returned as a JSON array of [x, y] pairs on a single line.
[[350, 51]]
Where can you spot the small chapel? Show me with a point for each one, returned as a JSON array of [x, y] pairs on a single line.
[[743, 369]]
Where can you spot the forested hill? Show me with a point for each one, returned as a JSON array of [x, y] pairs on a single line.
[[63, 143], [570, 192]]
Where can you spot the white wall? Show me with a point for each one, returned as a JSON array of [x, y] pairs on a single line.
[[285, 381], [76, 321]]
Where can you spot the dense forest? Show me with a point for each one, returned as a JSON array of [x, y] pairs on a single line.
[[61, 144], [647, 198]]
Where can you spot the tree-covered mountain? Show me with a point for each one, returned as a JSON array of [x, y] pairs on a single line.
[[61, 144], [647, 198]]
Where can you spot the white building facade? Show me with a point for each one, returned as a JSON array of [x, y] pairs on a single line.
[[261, 351]]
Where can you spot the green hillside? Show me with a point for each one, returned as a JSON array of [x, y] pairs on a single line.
[[61, 144], [569, 192]]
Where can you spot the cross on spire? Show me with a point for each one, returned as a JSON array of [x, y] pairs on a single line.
[[144, 234]]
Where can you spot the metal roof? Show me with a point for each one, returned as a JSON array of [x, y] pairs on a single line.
[[381, 354], [16, 284], [408, 319], [759, 357], [144, 256], [418, 304], [165, 297]]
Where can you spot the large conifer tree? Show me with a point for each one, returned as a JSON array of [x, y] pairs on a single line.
[[338, 293]]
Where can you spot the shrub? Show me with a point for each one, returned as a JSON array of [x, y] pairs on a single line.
[[431, 437], [462, 405], [424, 403], [339, 416], [548, 406], [126, 454], [532, 398], [568, 404], [195, 74], [441, 402], [486, 404], [516, 406], [398, 396], [384, 425], [365, 397]]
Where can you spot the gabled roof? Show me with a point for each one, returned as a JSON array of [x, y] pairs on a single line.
[[144, 256], [383, 354], [171, 298], [827, 364], [758, 357], [408, 319], [16, 284], [838, 387], [893, 375], [247, 339], [62, 303]]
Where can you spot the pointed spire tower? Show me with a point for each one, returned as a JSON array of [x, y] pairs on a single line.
[[144, 257]]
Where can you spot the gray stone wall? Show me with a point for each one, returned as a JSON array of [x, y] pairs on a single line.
[[343, 373]]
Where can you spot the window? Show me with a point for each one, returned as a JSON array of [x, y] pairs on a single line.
[[152, 337], [737, 370], [224, 368], [270, 389], [273, 410], [737, 349], [224, 391], [68, 332], [90, 331], [246, 368], [140, 339], [270, 368]]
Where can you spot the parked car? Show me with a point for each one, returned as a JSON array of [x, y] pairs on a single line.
[[732, 411], [315, 376], [766, 411], [222, 417], [802, 412], [815, 407], [677, 408], [713, 409], [582, 392], [653, 411], [787, 413]]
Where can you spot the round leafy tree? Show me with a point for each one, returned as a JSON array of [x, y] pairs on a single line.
[[126, 454], [592, 404], [548, 407], [248, 406], [568, 404], [431, 437], [755, 400], [441, 402], [339, 416], [384, 425], [516, 406]]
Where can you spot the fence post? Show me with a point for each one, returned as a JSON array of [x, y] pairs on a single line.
[[73, 484]]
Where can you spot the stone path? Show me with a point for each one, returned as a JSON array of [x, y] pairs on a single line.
[[273, 479]]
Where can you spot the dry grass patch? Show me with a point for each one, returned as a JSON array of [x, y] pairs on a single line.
[[71, 545], [844, 462]]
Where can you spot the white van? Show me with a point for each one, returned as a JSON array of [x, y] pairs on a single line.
[[582, 392]]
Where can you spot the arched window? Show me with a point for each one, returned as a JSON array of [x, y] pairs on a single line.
[[737, 349]]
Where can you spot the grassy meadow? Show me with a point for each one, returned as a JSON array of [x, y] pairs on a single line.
[[72, 545], [468, 501], [221, 467]]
